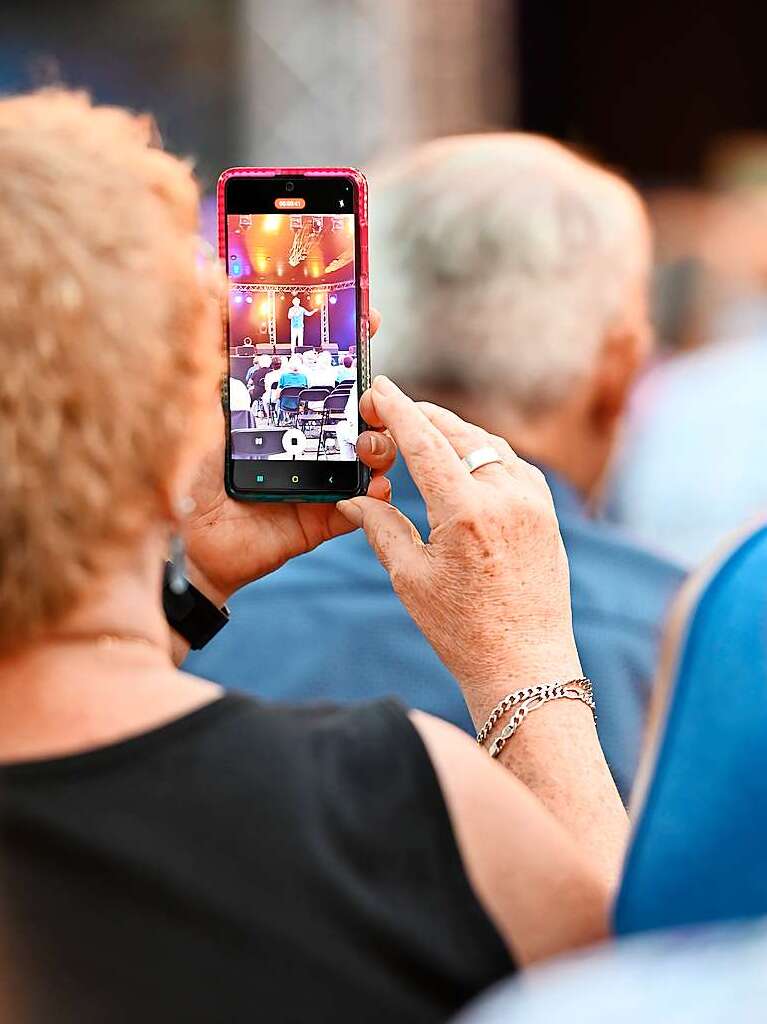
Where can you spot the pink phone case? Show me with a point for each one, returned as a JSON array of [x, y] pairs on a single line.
[[363, 348], [362, 224]]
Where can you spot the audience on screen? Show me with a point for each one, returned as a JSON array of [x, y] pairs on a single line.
[[266, 381], [520, 303]]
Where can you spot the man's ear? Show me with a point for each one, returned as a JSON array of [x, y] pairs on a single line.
[[623, 353]]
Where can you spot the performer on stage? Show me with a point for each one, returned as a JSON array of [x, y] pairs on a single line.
[[296, 314]]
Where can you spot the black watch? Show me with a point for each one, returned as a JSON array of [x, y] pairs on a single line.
[[191, 613]]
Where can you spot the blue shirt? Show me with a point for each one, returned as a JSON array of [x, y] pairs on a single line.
[[328, 626], [293, 380]]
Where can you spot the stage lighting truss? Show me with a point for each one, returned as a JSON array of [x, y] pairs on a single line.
[[273, 290], [292, 289]]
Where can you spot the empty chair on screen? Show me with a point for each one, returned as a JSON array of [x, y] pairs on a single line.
[[256, 443]]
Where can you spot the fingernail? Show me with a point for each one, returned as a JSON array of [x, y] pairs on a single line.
[[377, 444], [350, 511], [384, 386]]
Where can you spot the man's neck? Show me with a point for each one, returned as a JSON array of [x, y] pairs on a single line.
[[555, 440], [559, 447]]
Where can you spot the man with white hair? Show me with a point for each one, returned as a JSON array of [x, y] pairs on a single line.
[[512, 278]]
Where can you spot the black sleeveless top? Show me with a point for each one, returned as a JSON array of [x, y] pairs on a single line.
[[246, 862]]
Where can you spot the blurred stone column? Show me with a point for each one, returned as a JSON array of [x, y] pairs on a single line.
[[347, 81]]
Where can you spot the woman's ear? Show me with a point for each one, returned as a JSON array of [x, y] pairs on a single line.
[[204, 438], [173, 492]]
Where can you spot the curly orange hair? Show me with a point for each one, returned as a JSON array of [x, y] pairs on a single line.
[[106, 346]]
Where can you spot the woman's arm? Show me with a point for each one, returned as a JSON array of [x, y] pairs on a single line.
[[539, 886]]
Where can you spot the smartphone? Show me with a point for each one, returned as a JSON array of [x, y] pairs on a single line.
[[295, 245]]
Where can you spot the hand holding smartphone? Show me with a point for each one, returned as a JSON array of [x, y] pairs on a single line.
[[295, 246]]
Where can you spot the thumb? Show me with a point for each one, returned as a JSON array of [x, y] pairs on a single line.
[[390, 534]]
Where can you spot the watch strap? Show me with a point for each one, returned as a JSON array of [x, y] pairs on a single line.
[[191, 614]]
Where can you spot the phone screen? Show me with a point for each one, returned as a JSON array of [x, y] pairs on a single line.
[[295, 358]]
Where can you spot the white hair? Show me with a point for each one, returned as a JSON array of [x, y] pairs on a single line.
[[499, 262]]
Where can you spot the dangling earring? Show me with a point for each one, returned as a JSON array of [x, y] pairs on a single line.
[[177, 580]]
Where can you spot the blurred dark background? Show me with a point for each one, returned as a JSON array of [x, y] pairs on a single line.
[[175, 58], [646, 87]]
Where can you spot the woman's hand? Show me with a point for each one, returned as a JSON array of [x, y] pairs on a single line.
[[230, 543], [490, 587]]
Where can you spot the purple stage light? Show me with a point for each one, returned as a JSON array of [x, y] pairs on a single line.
[[333, 299]]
